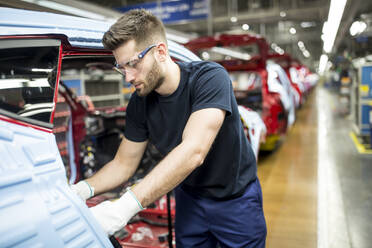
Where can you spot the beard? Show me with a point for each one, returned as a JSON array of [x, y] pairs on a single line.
[[153, 81]]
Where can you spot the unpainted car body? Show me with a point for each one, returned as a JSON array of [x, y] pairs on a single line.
[[38, 209]]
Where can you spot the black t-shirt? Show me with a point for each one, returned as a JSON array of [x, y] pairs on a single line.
[[230, 164]]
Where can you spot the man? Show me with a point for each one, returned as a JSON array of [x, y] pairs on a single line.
[[188, 111]]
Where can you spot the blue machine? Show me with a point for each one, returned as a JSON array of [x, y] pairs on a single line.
[[364, 100]]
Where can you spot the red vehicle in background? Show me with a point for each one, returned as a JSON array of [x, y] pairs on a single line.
[[308, 78], [299, 74], [291, 67], [258, 85]]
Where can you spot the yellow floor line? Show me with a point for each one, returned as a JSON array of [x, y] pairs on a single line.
[[359, 147]]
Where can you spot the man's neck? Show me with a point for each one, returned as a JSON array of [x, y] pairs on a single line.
[[172, 79]]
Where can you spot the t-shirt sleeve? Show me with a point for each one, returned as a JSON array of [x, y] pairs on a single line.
[[212, 89], [135, 123]]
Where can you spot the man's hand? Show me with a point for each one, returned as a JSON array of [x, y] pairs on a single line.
[[83, 190], [114, 215]]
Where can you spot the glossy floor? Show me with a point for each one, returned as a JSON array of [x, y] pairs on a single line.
[[317, 189]]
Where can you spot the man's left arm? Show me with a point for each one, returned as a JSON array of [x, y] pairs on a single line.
[[198, 136], [211, 102]]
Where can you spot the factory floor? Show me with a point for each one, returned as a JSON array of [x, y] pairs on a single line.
[[317, 188]]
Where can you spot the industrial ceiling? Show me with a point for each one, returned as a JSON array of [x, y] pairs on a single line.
[[292, 25]]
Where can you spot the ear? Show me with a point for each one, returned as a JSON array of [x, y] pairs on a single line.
[[162, 51]]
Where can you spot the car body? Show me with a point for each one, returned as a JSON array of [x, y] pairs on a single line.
[[258, 84], [290, 67], [38, 209]]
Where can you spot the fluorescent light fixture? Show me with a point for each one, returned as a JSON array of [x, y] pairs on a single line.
[[67, 9], [245, 27], [37, 111], [323, 63], [205, 55], [279, 50], [336, 9], [329, 65], [229, 52], [233, 19], [357, 27], [41, 70], [325, 27], [308, 24], [292, 30], [177, 38], [306, 54], [22, 82]]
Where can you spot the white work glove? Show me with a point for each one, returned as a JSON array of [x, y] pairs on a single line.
[[114, 215], [83, 190]]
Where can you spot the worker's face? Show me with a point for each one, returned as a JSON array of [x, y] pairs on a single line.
[[143, 71]]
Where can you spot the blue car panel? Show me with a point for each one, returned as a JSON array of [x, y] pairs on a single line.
[[37, 207]]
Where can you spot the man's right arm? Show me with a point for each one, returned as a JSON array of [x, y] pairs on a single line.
[[120, 169]]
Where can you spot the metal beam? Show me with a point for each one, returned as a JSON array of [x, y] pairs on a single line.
[[273, 15]]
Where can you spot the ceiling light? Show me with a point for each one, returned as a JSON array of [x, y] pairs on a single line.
[[279, 50], [273, 45], [205, 55], [357, 27], [292, 30], [308, 24], [22, 82], [233, 19], [322, 63], [245, 27], [282, 14], [306, 54], [231, 53], [336, 9], [325, 27], [177, 38], [41, 70], [300, 44]]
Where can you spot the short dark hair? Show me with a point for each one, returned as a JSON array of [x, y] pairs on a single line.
[[138, 25]]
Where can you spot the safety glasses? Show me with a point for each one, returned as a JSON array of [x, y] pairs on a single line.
[[132, 64]]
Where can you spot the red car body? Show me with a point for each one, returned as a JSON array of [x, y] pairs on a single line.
[[268, 103], [291, 67]]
